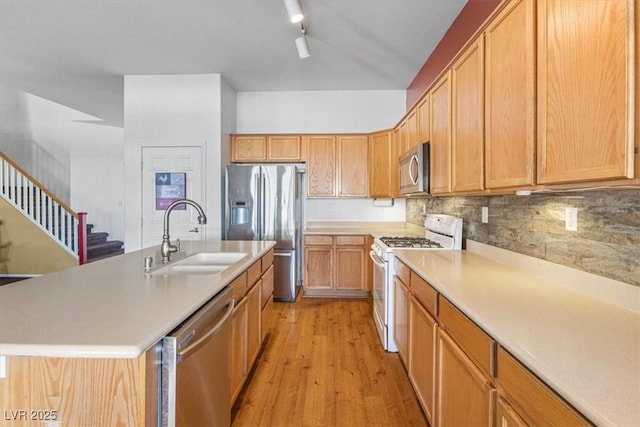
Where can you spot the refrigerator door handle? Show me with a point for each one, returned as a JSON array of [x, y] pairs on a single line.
[[259, 210], [263, 204]]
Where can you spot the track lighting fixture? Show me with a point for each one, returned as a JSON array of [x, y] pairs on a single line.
[[302, 45], [294, 10]]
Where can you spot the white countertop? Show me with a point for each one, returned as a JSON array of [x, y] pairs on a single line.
[[375, 229], [110, 308], [585, 348]]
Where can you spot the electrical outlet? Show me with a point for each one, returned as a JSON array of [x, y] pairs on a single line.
[[485, 214], [3, 367], [330, 207], [571, 219]]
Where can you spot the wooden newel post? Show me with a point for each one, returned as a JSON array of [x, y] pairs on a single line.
[[82, 238]]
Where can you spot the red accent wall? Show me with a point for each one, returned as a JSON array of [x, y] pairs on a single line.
[[472, 15]]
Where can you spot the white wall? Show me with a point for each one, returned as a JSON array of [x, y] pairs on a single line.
[[319, 111], [97, 176], [172, 110], [80, 162], [327, 112], [37, 134]]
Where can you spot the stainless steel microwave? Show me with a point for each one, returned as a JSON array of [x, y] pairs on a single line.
[[414, 170]]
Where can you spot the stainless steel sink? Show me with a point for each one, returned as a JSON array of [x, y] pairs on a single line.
[[202, 263]]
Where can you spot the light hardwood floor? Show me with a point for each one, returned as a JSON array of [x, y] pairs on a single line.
[[323, 365]]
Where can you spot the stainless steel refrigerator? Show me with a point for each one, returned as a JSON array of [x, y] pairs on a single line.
[[264, 202]]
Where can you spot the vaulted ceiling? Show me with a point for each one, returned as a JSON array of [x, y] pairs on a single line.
[[76, 52]]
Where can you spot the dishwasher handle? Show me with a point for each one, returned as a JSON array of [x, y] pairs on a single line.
[[191, 348]]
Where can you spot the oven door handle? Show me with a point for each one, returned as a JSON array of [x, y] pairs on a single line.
[[376, 260]]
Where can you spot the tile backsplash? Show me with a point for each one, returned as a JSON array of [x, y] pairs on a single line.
[[607, 242]]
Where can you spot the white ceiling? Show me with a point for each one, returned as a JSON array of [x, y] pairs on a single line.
[[76, 52]]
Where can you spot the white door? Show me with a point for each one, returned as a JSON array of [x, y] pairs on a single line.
[[169, 173]]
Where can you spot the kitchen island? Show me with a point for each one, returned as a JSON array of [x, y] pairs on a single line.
[[92, 329]]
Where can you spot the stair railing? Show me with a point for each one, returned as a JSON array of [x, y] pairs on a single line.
[[42, 207]]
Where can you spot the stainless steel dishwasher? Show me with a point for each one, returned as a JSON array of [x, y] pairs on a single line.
[[195, 382]]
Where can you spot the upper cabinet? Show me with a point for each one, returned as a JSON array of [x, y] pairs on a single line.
[[510, 97], [266, 148], [412, 129], [321, 165], [585, 90], [337, 165], [422, 117], [353, 166], [381, 164], [467, 135], [440, 156], [542, 97]]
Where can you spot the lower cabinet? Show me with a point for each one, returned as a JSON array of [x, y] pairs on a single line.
[[266, 301], [254, 323], [423, 329], [460, 374], [253, 297], [401, 319], [506, 416], [465, 396], [54, 391], [238, 363], [337, 266], [525, 400]]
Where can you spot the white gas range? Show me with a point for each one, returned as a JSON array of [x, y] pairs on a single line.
[[442, 232]]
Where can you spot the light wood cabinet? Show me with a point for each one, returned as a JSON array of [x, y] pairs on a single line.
[[318, 260], [381, 164], [585, 88], [467, 135], [412, 129], [415, 330], [440, 157], [401, 319], [459, 373], [506, 416], [510, 97], [266, 148], [252, 291], [321, 165], [466, 367], [465, 396], [336, 266], [337, 165], [423, 329], [403, 137], [267, 301], [353, 156], [80, 391], [530, 401], [351, 256], [422, 114], [254, 323], [238, 359]]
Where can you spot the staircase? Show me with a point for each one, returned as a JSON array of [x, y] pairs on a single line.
[[68, 228], [98, 247]]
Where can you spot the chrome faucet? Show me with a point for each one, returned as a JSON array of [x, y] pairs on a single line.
[[166, 248]]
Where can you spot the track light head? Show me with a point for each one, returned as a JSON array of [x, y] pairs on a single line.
[[294, 10], [303, 47]]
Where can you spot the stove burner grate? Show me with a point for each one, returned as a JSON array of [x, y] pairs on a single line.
[[409, 242]]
